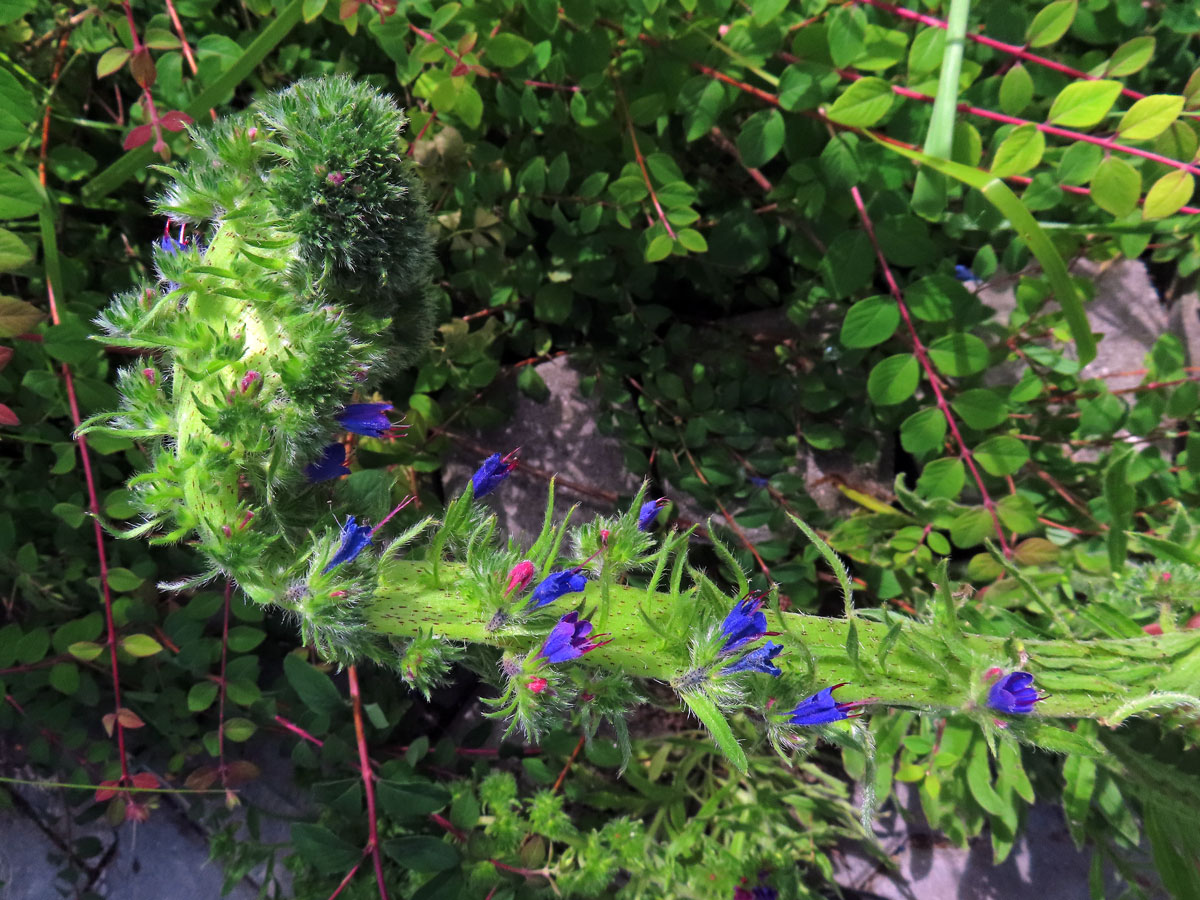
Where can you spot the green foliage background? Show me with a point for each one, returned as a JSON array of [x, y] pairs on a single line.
[[629, 182]]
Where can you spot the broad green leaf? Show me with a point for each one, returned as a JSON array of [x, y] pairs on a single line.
[[847, 34], [201, 696], [869, 322], [971, 528], [14, 252], [327, 852], [1051, 23], [862, 104], [942, 478], [1084, 103], [1116, 187], [507, 49], [1001, 455], [980, 408], [767, 10], [1019, 152], [714, 720], [111, 60], [17, 200], [959, 354], [894, 379], [1168, 194], [923, 431], [659, 248], [925, 54], [1017, 513], [1132, 56], [1016, 90], [140, 645], [312, 685], [1079, 163], [761, 138], [314, 8], [1150, 117], [422, 853], [692, 240], [882, 49]]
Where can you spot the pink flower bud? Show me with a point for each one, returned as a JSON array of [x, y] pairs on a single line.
[[249, 380], [992, 673], [149, 373], [604, 533], [335, 178], [1166, 576], [520, 576], [537, 685]]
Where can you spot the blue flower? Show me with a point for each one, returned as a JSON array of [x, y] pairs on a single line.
[[355, 538], [757, 660], [366, 419], [745, 623], [554, 586], [758, 481], [649, 512], [964, 274], [331, 464], [1014, 694], [570, 639], [821, 708], [169, 245], [493, 471]]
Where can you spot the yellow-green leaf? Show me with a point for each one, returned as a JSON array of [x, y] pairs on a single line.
[[1168, 194], [863, 104], [17, 316], [1020, 152], [140, 645], [1150, 117], [1051, 23], [1116, 186], [1084, 103]]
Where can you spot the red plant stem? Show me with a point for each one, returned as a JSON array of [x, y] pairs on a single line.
[[1085, 192], [728, 518], [421, 133], [221, 701], [368, 777], [637, 151], [448, 826], [567, 768], [85, 457], [185, 46], [930, 371], [1010, 49], [297, 730], [345, 881]]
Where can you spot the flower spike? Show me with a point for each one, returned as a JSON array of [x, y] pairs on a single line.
[[760, 659], [745, 623], [355, 539], [554, 586], [649, 513]]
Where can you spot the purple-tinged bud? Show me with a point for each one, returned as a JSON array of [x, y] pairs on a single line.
[[249, 380], [519, 577], [821, 708], [149, 373], [1014, 694], [649, 512], [570, 639], [493, 471], [335, 178], [537, 685]]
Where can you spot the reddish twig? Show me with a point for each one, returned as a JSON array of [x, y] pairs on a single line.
[[345, 881], [297, 730], [185, 46], [567, 768], [420, 134], [1010, 49], [737, 529], [368, 777], [641, 161], [89, 476], [930, 371], [730, 147]]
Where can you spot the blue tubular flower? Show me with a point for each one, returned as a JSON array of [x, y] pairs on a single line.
[[649, 512], [745, 623], [821, 708], [554, 586], [366, 419], [759, 659], [355, 538], [1014, 694], [169, 245], [964, 273], [331, 464], [493, 471], [570, 639]]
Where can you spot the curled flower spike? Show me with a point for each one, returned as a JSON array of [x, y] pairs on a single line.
[[366, 419], [519, 577], [1014, 694], [760, 659], [331, 464], [821, 708], [554, 586], [493, 471], [355, 538], [649, 512], [570, 639], [745, 623]]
